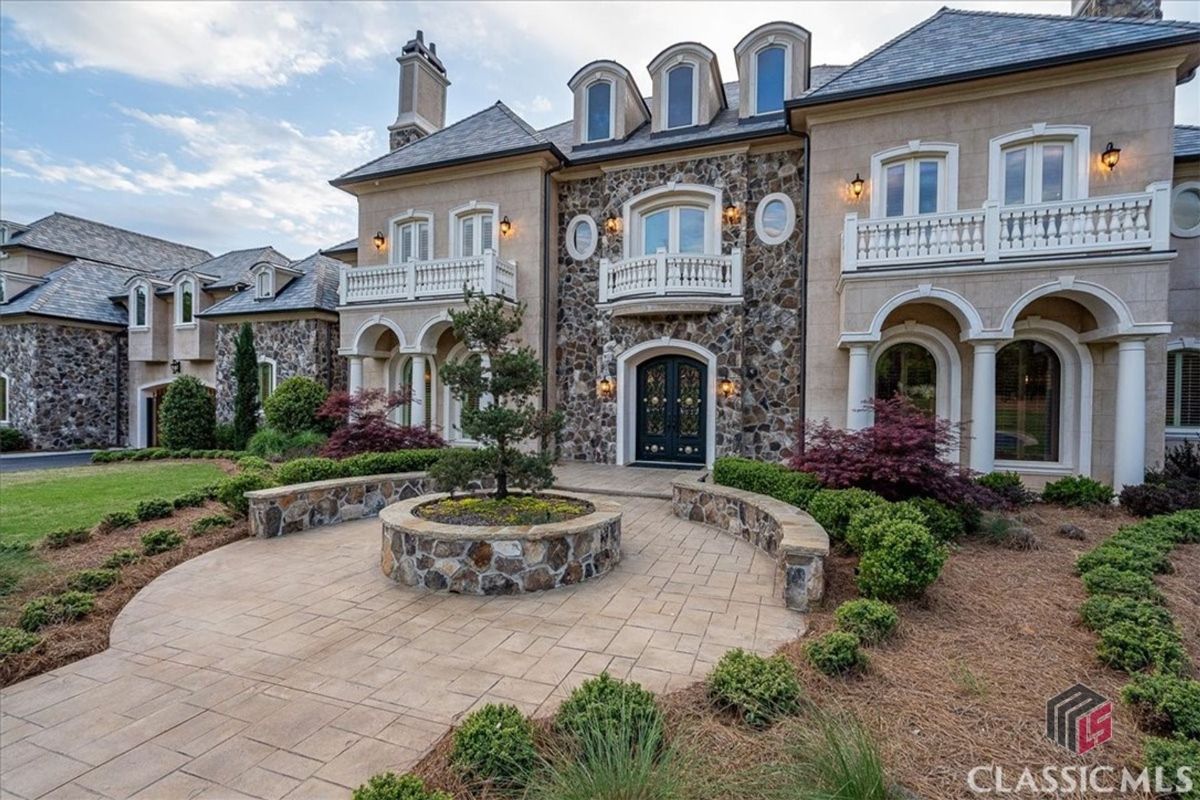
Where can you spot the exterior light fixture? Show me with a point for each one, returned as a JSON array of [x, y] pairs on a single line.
[[176, 367], [379, 240], [856, 185], [605, 388], [1110, 156], [732, 213], [505, 227], [612, 225], [727, 388]]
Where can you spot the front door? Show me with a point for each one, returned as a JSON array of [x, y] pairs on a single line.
[[671, 410]]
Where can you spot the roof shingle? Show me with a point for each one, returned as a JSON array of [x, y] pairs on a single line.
[[95, 241], [315, 289], [78, 290], [1187, 142]]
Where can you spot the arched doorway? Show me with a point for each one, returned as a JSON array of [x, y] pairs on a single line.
[[909, 370], [671, 410]]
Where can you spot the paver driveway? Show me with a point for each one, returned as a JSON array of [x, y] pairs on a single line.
[[292, 667]]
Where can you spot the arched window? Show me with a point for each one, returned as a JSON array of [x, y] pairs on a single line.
[[402, 380], [266, 379], [681, 105], [909, 370], [264, 284], [139, 308], [1028, 402], [674, 218], [1040, 164], [412, 237], [474, 229], [599, 98], [185, 298], [1183, 388], [770, 66], [454, 406]]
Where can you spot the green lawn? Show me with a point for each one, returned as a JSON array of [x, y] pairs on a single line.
[[33, 504]]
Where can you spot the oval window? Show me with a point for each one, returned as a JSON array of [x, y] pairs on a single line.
[[1185, 210], [581, 237], [775, 218]]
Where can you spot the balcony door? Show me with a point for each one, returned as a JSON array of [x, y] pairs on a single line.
[[671, 410]]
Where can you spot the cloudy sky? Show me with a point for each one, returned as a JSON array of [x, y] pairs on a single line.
[[219, 124]]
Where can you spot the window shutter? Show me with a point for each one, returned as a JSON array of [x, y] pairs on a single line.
[[423, 241], [1183, 389], [406, 253], [485, 235], [467, 244]]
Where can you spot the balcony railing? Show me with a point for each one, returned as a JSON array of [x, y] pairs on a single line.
[[676, 274], [418, 280], [1114, 224]]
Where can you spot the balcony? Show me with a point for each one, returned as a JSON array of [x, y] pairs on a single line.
[[1117, 224], [678, 275], [420, 280]]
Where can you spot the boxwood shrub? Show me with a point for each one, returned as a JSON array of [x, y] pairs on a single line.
[[760, 689], [833, 508], [1077, 490], [1008, 487], [495, 743], [760, 477], [836, 653], [395, 462], [389, 786], [603, 702], [904, 561], [872, 621], [232, 491], [868, 525], [945, 523]]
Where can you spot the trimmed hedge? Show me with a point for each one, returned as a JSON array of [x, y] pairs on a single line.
[[307, 470], [774, 480], [158, 453], [760, 689], [603, 702], [1077, 490], [833, 508], [836, 653], [495, 743], [872, 621]]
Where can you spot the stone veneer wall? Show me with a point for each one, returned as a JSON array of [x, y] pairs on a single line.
[[306, 347], [68, 385], [757, 344]]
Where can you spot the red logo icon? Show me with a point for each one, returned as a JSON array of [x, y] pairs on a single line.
[[1079, 719]]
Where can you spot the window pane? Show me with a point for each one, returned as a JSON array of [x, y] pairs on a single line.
[[423, 241], [679, 96], [927, 187], [265, 381], [3, 397], [774, 218], [599, 98], [1183, 389], [691, 230], [769, 92], [1014, 176], [406, 249], [1185, 211], [186, 303], [467, 243], [485, 232], [655, 231], [1028, 376], [139, 317], [895, 190], [908, 370], [583, 238], [1052, 172]]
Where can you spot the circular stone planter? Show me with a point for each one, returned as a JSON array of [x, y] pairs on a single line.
[[498, 559]]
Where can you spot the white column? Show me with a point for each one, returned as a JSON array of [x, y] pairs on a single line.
[[417, 384], [1129, 446], [356, 374], [983, 408], [858, 388]]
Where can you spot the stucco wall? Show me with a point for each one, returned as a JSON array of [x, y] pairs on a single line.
[[1184, 301]]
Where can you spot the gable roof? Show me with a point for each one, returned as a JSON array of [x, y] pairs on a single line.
[[79, 290], [956, 45], [493, 132], [232, 268], [1187, 142], [95, 241], [315, 289], [348, 246]]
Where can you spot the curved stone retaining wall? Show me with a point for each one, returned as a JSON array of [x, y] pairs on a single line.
[[491, 560], [796, 540]]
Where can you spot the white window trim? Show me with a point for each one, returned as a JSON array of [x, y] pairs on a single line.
[[402, 219], [612, 110], [179, 323], [7, 394], [1079, 135], [149, 290], [451, 406], [789, 221], [671, 193], [586, 221], [916, 149], [467, 209], [1179, 188], [269, 292], [666, 93], [946, 359], [1186, 343], [3, 285], [787, 73], [274, 373]]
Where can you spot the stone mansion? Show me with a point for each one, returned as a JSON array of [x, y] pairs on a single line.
[[991, 214]]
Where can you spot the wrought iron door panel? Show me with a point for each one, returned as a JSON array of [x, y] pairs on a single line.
[[671, 410]]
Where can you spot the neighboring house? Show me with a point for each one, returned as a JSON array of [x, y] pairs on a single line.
[[706, 267], [96, 321]]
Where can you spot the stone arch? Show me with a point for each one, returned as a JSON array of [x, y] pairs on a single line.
[[427, 338], [960, 308], [946, 357], [377, 323], [1106, 306]]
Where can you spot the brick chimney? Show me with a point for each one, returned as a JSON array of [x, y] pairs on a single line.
[[1141, 9], [423, 85]]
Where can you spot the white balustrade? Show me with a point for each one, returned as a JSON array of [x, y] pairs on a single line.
[[672, 274], [416, 280], [994, 233]]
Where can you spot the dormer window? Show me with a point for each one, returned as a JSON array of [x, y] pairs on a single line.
[[770, 79], [139, 307], [185, 298], [264, 284], [599, 101], [772, 64], [681, 100]]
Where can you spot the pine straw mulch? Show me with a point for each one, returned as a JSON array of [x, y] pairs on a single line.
[[965, 681], [62, 644]]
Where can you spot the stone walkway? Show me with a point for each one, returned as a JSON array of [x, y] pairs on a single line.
[[292, 668], [619, 481]]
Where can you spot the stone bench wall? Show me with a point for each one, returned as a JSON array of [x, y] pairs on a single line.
[[794, 538]]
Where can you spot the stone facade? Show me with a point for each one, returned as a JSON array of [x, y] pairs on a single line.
[[757, 343], [306, 347], [794, 538], [498, 560], [67, 384]]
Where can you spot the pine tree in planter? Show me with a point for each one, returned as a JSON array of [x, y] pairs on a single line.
[[245, 379], [497, 386]]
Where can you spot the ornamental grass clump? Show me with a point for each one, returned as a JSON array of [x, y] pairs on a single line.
[[495, 744], [836, 653], [872, 621], [760, 690], [827, 756]]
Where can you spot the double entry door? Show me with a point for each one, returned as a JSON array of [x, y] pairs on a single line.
[[671, 410]]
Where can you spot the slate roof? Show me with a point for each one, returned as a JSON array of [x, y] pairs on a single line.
[[348, 246], [955, 45], [316, 288], [78, 290], [1187, 142], [230, 269], [493, 132], [95, 241]]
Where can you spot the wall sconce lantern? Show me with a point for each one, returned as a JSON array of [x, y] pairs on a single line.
[[612, 225], [856, 185], [732, 213], [505, 227], [727, 388], [1110, 156], [176, 367], [379, 240], [606, 388]]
